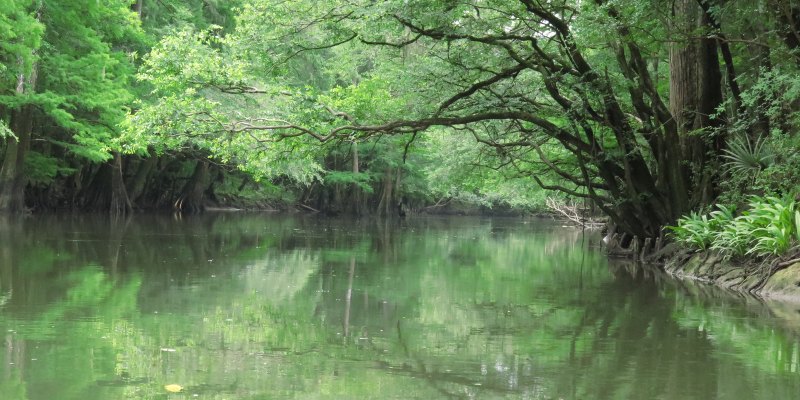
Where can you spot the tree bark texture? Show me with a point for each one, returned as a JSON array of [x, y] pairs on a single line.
[[695, 94]]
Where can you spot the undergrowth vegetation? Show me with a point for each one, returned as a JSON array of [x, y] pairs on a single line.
[[769, 226]]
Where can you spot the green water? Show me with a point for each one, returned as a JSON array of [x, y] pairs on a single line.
[[254, 306]]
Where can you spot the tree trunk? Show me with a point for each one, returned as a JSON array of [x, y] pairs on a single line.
[[683, 100], [399, 200], [683, 55], [355, 198], [137, 7], [217, 175], [192, 195], [695, 93], [96, 193], [119, 203], [386, 195], [139, 182], [709, 145], [12, 178]]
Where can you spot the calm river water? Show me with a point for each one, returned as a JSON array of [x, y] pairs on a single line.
[[255, 306]]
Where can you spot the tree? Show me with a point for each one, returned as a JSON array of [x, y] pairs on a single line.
[[20, 33], [70, 92]]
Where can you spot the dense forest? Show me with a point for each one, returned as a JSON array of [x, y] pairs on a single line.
[[646, 111]]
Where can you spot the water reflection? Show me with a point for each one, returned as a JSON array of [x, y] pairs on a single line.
[[251, 306]]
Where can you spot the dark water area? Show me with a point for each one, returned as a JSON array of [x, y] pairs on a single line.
[[257, 306]]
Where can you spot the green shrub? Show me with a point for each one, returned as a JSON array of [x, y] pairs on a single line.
[[694, 230], [770, 226], [700, 231], [733, 238]]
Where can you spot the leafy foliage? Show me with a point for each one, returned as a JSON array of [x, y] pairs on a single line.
[[42, 170], [694, 230], [20, 36], [5, 131], [769, 226], [362, 180]]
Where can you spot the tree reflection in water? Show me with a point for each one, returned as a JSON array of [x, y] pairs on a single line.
[[250, 306]]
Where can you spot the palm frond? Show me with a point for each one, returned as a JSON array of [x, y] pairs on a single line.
[[744, 156]]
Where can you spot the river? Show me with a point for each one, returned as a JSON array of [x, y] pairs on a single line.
[[260, 306]]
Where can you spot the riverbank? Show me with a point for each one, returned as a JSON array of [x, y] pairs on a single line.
[[773, 278]]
